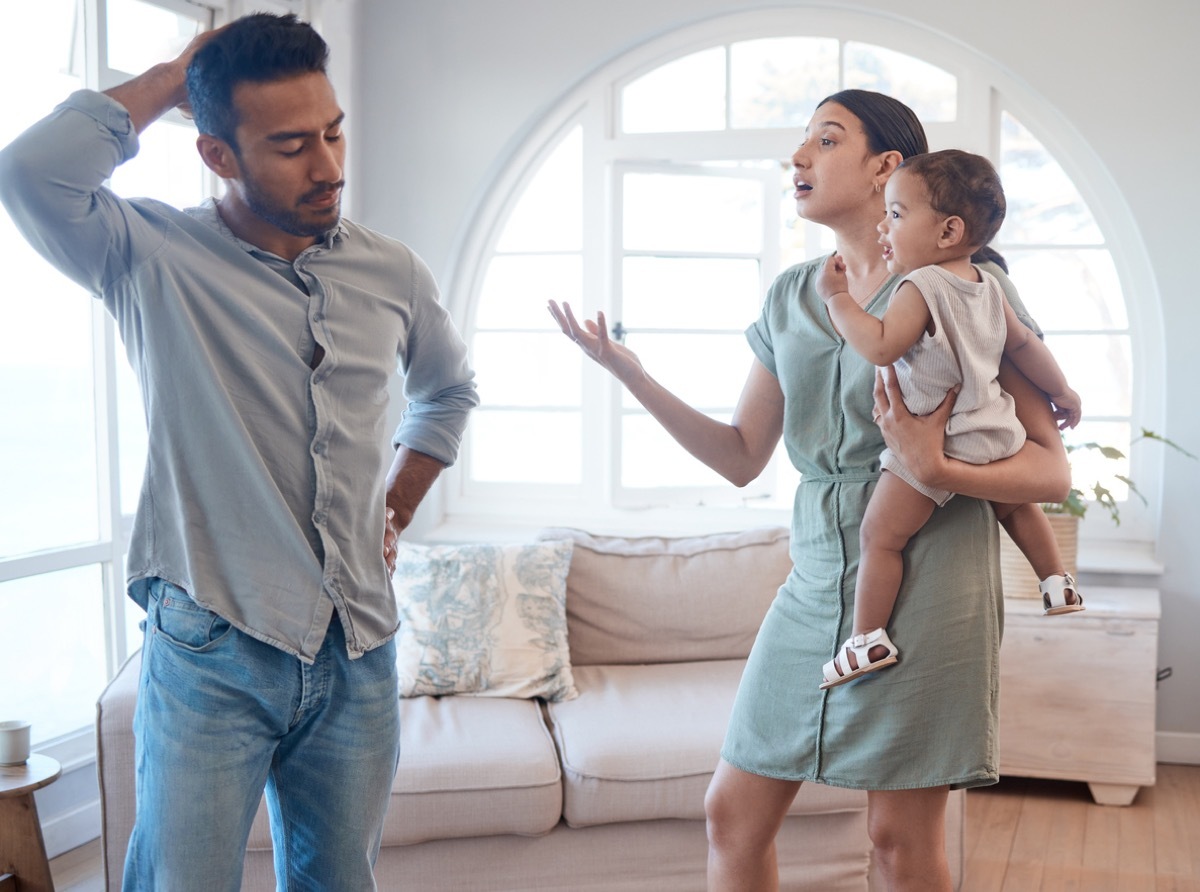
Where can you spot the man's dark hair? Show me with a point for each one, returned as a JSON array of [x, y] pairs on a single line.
[[963, 185], [258, 48]]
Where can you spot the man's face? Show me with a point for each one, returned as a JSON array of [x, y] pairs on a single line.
[[291, 154]]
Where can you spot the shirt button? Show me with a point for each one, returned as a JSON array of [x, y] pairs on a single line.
[[319, 449], [319, 517]]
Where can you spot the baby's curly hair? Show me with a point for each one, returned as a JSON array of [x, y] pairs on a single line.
[[963, 185]]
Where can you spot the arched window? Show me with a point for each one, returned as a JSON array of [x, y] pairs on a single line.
[[659, 192]]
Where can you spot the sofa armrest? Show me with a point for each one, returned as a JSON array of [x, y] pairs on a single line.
[[115, 766]]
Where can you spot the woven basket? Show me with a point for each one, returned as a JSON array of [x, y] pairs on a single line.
[[1018, 577]]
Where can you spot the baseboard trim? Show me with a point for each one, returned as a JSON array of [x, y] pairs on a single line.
[[69, 808], [70, 830], [1177, 748]]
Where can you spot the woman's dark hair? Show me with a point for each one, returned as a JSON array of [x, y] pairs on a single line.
[[963, 185], [988, 254], [259, 48], [890, 125]]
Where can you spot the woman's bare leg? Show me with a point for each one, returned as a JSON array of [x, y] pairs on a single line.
[[908, 830], [745, 812]]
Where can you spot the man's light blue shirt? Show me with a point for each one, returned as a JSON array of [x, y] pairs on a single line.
[[263, 495]]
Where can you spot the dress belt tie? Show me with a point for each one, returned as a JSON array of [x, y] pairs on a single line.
[[847, 477]]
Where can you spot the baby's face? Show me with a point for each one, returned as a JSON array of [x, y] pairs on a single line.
[[911, 227]]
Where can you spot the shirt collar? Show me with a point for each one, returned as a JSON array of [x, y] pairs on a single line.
[[206, 213]]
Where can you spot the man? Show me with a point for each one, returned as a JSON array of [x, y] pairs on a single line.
[[264, 330]]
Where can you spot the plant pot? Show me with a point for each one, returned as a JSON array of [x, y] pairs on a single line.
[[1018, 577]]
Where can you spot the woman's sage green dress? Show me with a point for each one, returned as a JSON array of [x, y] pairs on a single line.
[[930, 720]]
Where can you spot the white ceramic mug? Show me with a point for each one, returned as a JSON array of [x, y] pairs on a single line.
[[14, 742]]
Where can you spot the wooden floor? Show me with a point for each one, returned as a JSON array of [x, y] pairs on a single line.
[[1022, 836], [79, 870], [1048, 836]]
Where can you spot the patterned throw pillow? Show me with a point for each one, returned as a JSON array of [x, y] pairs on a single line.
[[485, 620]]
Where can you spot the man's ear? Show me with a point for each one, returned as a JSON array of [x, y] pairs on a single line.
[[953, 233], [218, 156]]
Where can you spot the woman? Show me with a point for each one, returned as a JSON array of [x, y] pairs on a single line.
[[911, 734]]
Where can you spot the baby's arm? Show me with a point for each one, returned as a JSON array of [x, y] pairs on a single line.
[[1037, 363], [879, 341]]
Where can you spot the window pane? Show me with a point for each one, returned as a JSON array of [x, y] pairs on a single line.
[[692, 213], [141, 35], [777, 82], [526, 447], [40, 62], [167, 167], [527, 369], [1100, 369], [1089, 466], [1043, 204], [549, 214], [705, 370], [696, 292], [517, 287], [687, 94], [52, 649], [46, 384], [929, 91], [1069, 290], [650, 458], [48, 449]]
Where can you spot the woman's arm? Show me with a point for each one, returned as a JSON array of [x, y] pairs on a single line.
[[1039, 472], [738, 451]]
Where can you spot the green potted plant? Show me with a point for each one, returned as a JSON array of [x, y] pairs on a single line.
[[1019, 579], [1077, 502]]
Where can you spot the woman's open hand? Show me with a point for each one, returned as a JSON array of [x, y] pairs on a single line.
[[592, 338], [918, 440]]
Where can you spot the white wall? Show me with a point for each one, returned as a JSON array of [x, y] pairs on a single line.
[[447, 88]]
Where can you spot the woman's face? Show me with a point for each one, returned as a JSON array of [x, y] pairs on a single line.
[[833, 173]]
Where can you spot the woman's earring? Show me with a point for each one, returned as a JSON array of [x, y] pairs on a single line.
[[877, 188]]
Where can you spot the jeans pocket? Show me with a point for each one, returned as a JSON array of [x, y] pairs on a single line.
[[185, 623]]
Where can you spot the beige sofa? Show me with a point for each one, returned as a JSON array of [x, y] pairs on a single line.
[[604, 791]]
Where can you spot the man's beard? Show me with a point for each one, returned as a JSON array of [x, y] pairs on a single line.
[[287, 219]]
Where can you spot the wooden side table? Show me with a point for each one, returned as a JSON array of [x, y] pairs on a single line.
[[1078, 692], [22, 849]]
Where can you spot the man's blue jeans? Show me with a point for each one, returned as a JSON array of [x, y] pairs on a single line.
[[219, 716]]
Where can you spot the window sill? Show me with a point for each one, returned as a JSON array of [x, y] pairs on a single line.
[[1114, 562]]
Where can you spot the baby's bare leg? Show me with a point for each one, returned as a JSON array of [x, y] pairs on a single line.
[[1030, 529], [893, 516]]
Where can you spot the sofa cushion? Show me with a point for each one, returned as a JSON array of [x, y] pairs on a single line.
[[660, 600], [468, 767], [641, 742], [485, 620]]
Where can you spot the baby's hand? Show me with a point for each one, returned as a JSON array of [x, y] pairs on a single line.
[[831, 279], [1068, 408]]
